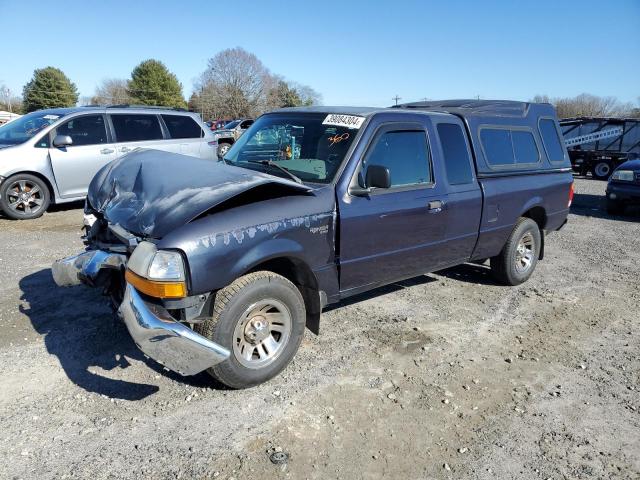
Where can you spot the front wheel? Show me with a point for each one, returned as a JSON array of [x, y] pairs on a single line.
[[518, 258], [260, 318], [24, 197], [223, 148]]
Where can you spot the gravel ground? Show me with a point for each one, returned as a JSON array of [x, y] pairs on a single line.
[[444, 376]]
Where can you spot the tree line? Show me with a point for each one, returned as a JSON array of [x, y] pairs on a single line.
[[235, 84], [586, 105]]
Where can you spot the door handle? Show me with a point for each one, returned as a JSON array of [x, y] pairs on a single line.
[[106, 151], [125, 149], [435, 206]]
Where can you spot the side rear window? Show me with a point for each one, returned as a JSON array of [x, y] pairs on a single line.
[[135, 128], [524, 147], [551, 140], [456, 154], [182, 126], [405, 154], [497, 146], [506, 147]]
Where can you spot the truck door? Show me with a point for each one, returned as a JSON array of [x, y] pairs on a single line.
[[75, 165], [464, 205], [397, 232]]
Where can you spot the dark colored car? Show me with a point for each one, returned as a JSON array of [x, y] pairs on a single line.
[[623, 188], [220, 267]]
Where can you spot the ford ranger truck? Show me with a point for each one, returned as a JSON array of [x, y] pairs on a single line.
[[221, 267]]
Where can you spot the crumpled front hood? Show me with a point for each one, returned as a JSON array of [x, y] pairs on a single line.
[[151, 192]]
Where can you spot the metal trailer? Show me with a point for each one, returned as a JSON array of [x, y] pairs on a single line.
[[598, 144]]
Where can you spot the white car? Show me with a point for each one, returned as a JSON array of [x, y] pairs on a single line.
[[50, 156]]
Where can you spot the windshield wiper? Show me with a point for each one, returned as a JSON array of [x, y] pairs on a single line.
[[271, 163]]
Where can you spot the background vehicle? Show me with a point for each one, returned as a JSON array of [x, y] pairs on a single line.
[[606, 143], [228, 135], [219, 124], [623, 189], [314, 205], [52, 155]]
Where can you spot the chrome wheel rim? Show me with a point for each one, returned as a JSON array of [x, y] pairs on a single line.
[[25, 197], [525, 253], [223, 150], [262, 333], [602, 169]]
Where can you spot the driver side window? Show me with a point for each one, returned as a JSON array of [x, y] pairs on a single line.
[[405, 154], [85, 130]]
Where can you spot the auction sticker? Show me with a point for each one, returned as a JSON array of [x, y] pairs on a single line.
[[348, 121]]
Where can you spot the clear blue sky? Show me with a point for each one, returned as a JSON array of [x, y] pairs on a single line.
[[352, 52]]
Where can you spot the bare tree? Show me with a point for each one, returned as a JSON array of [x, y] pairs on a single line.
[[9, 101], [236, 84], [111, 91]]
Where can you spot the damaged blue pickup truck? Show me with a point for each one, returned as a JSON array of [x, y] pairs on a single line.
[[220, 266]]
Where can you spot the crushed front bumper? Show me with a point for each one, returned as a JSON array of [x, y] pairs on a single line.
[[153, 329], [170, 343]]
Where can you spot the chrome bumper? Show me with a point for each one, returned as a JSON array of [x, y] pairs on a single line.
[[154, 330], [170, 343], [84, 268]]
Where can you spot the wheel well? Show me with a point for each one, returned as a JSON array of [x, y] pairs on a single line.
[[298, 273], [46, 181], [226, 140], [538, 215]]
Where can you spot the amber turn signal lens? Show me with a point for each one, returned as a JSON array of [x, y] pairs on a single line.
[[157, 289]]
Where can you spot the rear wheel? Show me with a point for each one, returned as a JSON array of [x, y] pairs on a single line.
[[519, 257], [24, 197], [602, 170], [260, 319]]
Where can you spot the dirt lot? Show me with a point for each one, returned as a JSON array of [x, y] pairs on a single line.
[[445, 376]]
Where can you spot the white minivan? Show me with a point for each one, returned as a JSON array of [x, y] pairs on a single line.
[[50, 156]]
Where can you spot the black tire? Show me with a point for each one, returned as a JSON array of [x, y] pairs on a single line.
[[24, 197], [507, 267], [229, 313], [602, 170], [223, 148], [614, 207]]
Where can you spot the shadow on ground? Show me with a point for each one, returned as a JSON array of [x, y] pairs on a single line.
[[590, 205], [471, 273], [78, 327]]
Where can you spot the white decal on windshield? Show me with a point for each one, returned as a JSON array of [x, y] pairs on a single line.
[[348, 121], [51, 117]]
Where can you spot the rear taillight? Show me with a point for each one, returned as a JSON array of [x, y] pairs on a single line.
[[570, 195]]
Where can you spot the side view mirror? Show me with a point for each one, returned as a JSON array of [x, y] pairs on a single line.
[[62, 141], [378, 177]]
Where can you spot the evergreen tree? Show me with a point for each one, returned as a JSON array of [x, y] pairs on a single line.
[[152, 84], [49, 88]]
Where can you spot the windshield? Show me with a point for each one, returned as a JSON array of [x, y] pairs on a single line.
[[22, 129], [306, 144], [231, 125]]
